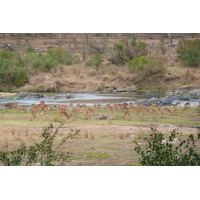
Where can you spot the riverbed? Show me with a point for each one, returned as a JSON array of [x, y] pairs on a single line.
[[86, 98]]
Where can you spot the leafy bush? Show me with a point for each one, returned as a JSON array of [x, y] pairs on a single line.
[[159, 153], [46, 152], [191, 58], [122, 51], [61, 56], [11, 68], [149, 71], [137, 64], [40, 61], [21, 77], [95, 61], [188, 52]]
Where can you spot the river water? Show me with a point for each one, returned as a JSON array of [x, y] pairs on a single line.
[[85, 98]]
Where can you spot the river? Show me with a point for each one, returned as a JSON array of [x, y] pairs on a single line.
[[85, 98]]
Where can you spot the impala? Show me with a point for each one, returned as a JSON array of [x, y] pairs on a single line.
[[154, 104], [168, 110], [187, 104], [177, 104]]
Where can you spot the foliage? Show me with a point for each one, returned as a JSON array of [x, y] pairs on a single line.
[[42, 62], [162, 48], [95, 61], [29, 50], [189, 52], [61, 56], [11, 68], [159, 153], [137, 64], [21, 77], [149, 71], [45, 152], [124, 50]]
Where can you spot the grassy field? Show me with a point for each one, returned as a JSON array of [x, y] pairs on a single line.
[[100, 142]]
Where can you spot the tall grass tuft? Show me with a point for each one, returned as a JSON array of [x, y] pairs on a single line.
[[5, 143], [121, 136], [86, 134], [13, 131], [92, 135]]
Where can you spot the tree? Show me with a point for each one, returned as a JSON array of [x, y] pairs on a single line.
[[59, 38]]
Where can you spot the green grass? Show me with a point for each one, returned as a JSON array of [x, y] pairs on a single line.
[[97, 155], [14, 117]]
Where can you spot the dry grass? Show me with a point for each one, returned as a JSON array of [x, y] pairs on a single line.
[[13, 131], [138, 136], [26, 132], [5, 143], [86, 134], [91, 135], [121, 136]]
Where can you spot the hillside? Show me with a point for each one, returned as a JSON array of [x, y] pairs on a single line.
[[79, 77]]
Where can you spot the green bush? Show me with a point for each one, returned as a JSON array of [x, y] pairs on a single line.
[[149, 72], [159, 153], [46, 152], [21, 77], [191, 58], [188, 52], [61, 56], [42, 62], [123, 51], [137, 64], [95, 61], [11, 69]]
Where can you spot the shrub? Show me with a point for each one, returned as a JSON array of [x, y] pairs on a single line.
[[191, 58], [122, 51], [188, 52], [46, 152], [40, 61], [149, 71], [95, 61], [159, 153], [61, 56], [21, 77], [137, 64]]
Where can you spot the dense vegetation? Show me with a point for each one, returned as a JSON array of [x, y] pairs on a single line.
[[16, 68], [166, 152]]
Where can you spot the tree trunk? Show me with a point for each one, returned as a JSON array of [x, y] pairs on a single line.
[[59, 38]]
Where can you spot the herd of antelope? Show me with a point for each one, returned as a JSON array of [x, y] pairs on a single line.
[[127, 109]]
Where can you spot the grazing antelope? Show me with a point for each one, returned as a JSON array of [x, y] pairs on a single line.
[[168, 110], [175, 111], [198, 108], [90, 111], [74, 111], [127, 113], [187, 104], [177, 104], [21, 107], [161, 111], [140, 104], [14, 105], [154, 104], [63, 112], [152, 111], [98, 105], [188, 109]]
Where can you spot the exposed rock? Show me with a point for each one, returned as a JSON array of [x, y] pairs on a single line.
[[102, 117], [150, 95], [69, 96], [36, 95]]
